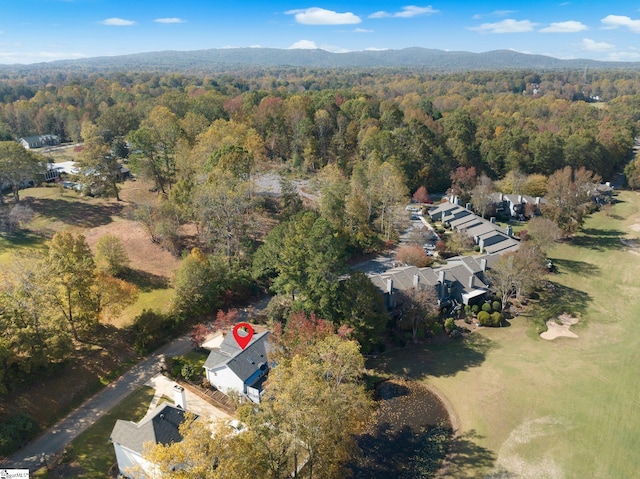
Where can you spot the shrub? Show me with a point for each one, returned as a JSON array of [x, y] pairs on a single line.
[[496, 319], [476, 248], [484, 318], [15, 432], [475, 309], [150, 329], [436, 328], [496, 305], [189, 373], [487, 307], [449, 325]]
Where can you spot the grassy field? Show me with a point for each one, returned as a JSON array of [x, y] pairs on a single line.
[[568, 408]]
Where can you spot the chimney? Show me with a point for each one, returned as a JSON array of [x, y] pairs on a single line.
[[492, 220], [389, 286], [519, 198], [416, 281], [457, 201], [483, 264], [509, 230], [471, 276], [481, 244], [501, 197], [608, 183], [537, 200], [441, 275], [179, 397], [468, 206]]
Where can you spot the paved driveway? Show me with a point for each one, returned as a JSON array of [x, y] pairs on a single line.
[[53, 441]]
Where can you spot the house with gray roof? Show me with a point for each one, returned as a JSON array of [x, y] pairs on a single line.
[[461, 281], [160, 426], [229, 368], [39, 141]]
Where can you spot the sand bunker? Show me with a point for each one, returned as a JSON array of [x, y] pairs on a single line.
[[555, 330]]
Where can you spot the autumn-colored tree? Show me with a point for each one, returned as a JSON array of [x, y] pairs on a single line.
[[224, 321], [463, 180], [199, 334], [421, 195], [413, 255], [72, 269]]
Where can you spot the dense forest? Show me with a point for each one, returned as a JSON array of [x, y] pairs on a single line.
[[365, 139]]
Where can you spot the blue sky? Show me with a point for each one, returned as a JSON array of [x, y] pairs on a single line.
[[44, 30]]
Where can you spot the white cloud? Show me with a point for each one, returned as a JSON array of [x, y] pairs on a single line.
[[624, 56], [506, 26], [406, 12], [593, 46], [36, 57], [362, 30], [304, 45], [118, 22], [615, 21], [570, 26], [496, 13], [320, 16], [255, 46], [170, 20]]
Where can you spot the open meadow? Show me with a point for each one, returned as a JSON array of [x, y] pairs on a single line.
[[567, 408]]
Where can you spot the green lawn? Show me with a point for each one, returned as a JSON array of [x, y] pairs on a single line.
[[91, 454], [567, 408]]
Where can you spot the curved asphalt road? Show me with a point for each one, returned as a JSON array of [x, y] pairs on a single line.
[[53, 441]]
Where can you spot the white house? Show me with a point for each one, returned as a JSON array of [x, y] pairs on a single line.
[[230, 368], [160, 426], [38, 141]]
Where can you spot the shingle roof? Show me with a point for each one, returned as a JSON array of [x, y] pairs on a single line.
[[159, 427], [243, 362]]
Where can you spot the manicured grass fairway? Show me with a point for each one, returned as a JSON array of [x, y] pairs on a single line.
[[568, 408]]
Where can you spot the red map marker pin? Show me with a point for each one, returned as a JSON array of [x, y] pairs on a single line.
[[243, 340]]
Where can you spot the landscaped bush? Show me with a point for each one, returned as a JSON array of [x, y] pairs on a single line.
[[449, 324], [496, 319], [497, 306], [436, 329], [475, 309], [487, 307], [484, 318]]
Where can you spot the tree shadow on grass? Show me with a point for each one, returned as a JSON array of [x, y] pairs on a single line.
[[146, 282], [434, 359], [598, 240], [554, 300], [20, 239], [581, 268], [76, 213], [468, 459]]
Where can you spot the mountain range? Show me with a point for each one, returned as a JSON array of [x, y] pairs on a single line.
[[229, 59]]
